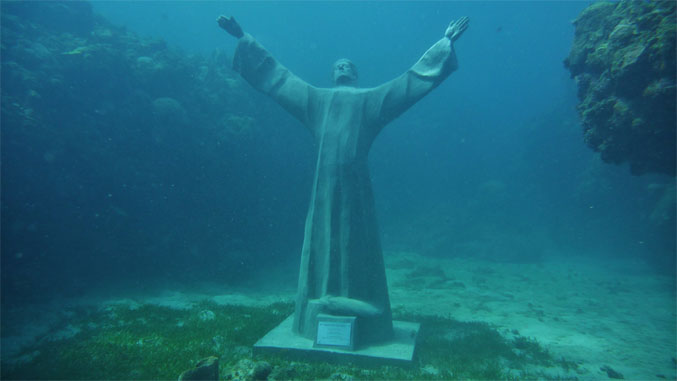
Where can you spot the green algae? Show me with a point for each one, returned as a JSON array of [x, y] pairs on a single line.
[[154, 342], [149, 342]]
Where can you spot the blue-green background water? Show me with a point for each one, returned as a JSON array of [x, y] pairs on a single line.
[[491, 164]]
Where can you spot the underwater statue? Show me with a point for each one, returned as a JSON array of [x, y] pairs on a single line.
[[342, 271]]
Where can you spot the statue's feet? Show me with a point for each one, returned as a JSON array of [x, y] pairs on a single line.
[[340, 305]]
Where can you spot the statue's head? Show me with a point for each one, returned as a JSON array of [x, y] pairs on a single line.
[[344, 73]]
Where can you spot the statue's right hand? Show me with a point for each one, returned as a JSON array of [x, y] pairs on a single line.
[[230, 25], [456, 28]]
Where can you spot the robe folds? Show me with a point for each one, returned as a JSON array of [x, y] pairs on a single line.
[[342, 270]]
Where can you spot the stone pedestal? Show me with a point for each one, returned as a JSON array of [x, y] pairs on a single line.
[[397, 351]]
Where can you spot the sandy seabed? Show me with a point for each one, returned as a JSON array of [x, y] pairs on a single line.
[[617, 314]]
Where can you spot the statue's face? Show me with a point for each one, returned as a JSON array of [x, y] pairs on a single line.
[[344, 73]]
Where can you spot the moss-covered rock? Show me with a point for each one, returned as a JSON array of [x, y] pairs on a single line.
[[205, 369], [623, 60]]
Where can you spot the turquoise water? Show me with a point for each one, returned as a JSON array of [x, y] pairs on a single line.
[[136, 162]]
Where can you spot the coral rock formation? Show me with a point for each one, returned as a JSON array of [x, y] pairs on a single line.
[[623, 60]]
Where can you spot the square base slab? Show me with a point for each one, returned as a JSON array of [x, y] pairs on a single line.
[[282, 341]]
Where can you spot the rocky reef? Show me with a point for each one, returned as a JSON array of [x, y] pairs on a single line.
[[109, 139], [623, 61]]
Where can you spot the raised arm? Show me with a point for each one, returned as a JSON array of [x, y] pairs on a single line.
[[391, 99], [258, 67]]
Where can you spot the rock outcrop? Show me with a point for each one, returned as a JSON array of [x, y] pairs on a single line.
[[623, 60]]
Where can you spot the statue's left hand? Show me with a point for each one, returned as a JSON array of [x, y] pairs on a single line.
[[456, 28], [230, 25]]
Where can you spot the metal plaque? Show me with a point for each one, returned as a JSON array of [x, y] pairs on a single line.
[[335, 332]]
